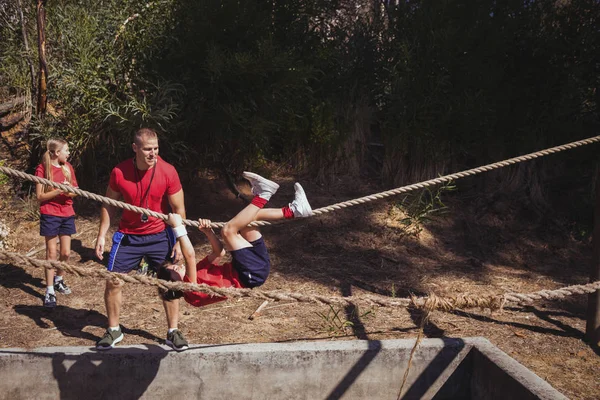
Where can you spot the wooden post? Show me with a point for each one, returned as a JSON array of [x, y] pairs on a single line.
[[43, 73], [592, 329]]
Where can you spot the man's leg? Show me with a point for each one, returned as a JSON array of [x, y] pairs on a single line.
[[122, 259], [158, 249], [113, 298], [172, 311], [112, 301]]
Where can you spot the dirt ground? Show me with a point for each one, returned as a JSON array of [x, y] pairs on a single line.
[[480, 246]]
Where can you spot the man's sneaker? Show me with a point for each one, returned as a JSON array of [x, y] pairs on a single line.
[[61, 287], [176, 340], [50, 300], [261, 187], [110, 339], [300, 205]]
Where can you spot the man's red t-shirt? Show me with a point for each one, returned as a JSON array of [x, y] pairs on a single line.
[[61, 205], [223, 275], [147, 189]]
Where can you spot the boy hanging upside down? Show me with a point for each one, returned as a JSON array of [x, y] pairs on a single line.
[[250, 259]]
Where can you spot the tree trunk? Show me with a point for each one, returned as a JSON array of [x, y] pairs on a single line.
[[592, 328], [27, 51], [43, 72]]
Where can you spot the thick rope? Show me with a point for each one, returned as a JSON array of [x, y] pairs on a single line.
[[457, 175], [322, 210], [426, 303]]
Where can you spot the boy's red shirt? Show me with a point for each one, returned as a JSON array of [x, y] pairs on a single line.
[[223, 275]]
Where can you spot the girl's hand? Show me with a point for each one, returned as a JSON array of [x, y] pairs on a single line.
[[204, 225], [68, 194]]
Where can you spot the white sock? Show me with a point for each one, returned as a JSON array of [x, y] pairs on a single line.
[[171, 330], [57, 278], [50, 289], [113, 328]]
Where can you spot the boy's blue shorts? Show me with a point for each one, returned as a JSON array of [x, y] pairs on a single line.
[[127, 250], [51, 225], [252, 263]]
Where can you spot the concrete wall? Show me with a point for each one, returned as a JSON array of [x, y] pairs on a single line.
[[441, 369]]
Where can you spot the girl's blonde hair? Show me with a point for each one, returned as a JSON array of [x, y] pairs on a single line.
[[53, 146]]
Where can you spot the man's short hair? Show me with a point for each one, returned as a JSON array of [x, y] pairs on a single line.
[[143, 132]]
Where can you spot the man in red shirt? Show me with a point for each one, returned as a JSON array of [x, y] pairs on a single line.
[[145, 181]]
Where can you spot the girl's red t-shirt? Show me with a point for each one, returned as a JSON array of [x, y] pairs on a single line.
[[61, 205]]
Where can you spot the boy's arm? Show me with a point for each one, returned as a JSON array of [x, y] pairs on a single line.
[[217, 247], [187, 249]]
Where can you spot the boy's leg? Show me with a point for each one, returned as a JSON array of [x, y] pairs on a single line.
[[298, 208], [232, 238], [262, 189], [252, 233]]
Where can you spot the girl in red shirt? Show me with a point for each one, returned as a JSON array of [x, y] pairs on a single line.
[[57, 216]]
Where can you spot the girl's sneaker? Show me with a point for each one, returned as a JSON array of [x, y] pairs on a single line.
[[50, 300], [61, 287]]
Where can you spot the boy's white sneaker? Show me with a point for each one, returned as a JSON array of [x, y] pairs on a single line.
[[261, 187], [300, 205]]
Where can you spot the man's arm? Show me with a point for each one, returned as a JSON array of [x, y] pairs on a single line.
[[106, 214]]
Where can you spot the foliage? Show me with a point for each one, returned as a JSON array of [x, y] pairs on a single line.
[[4, 179], [334, 324], [417, 208], [31, 208], [439, 85]]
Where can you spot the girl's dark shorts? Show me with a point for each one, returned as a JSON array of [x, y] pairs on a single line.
[[51, 225]]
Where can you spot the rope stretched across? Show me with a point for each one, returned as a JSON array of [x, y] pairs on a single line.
[[322, 210], [428, 303]]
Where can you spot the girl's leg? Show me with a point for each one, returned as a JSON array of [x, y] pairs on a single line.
[[65, 250], [51, 254]]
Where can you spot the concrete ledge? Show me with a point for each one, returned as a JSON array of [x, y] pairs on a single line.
[[470, 368]]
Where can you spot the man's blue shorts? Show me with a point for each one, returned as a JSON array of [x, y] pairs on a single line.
[[252, 263], [51, 225], [127, 250]]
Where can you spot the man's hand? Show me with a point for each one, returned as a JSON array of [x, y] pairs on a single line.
[[100, 247], [204, 225], [176, 255], [174, 220]]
